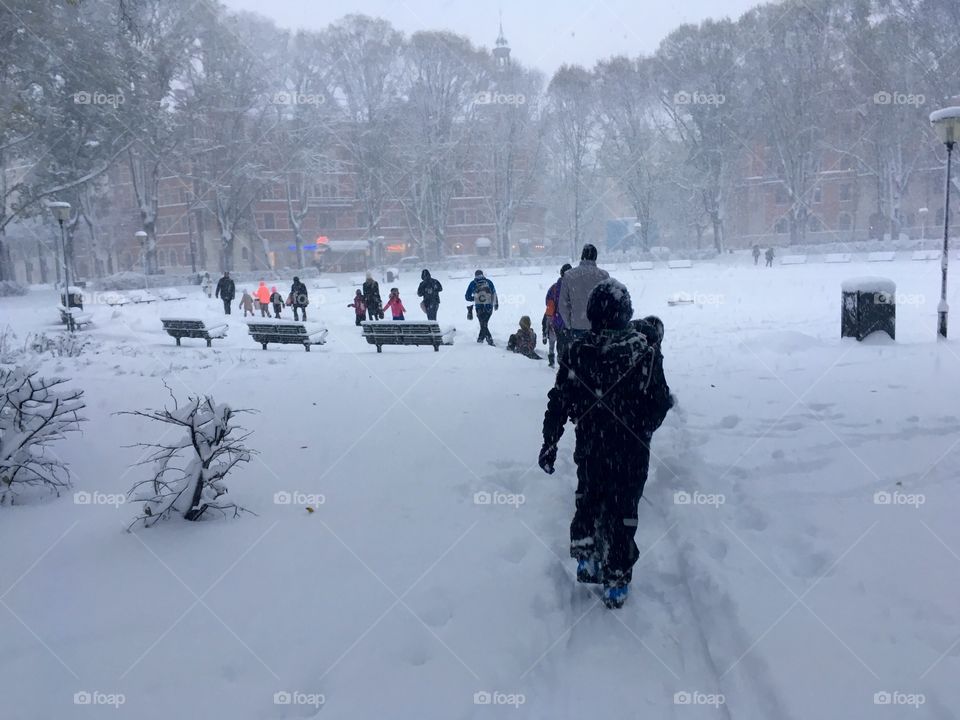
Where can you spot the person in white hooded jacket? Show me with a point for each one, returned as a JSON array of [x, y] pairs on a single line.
[[575, 290]]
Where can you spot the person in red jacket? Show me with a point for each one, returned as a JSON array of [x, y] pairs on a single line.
[[263, 297], [359, 307], [394, 304]]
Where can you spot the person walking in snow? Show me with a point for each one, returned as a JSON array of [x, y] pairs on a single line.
[[769, 257], [430, 289], [613, 389], [359, 307], [226, 291], [524, 340], [575, 290], [206, 284], [552, 320], [246, 302], [276, 299], [483, 296], [299, 299], [263, 297], [394, 304], [371, 297], [756, 254]]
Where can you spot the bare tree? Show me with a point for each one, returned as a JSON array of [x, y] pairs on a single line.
[[35, 412], [189, 473]]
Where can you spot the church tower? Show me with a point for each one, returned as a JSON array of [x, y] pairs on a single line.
[[501, 50]]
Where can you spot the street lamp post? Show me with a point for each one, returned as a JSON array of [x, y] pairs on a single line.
[[947, 124], [61, 211], [141, 236], [923, 223]]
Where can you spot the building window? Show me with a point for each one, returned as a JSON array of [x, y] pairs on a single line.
[[326, 221], [269, 223], [815, 224], [845, 221], [782, 226], [361, 220], [818, 195], [781, 197], [845, 192], [244, 253], [459, 217]]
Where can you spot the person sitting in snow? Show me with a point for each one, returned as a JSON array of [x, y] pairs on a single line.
[[524, 340], [394, 304], [614, 391], [276, 299], [246, 302], [359, 307]]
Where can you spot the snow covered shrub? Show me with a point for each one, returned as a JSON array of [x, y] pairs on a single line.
[[123, 281], [188, 473], [9, 288], [9, 352], [34, 413], [62, 345]]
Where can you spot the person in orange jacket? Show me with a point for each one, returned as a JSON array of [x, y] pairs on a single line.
[[394, 304], [263, 297]]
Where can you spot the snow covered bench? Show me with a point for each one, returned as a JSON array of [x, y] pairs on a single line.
[[925, 255], [390, 332], [178, 328], [641, 265], [168, 294], [881, 256], [79, 318], [837, 257], [286, 332], [679, 264], [793, 260]]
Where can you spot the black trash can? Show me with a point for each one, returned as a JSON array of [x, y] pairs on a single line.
[[390, 277], [76, 298], [869, 305]]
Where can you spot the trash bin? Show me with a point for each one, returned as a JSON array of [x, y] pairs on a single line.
[[390, 276], [869, 305], [76, 298]]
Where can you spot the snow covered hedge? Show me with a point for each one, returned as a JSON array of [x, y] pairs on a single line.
[[9, 288], [188, 473], [35, 412]]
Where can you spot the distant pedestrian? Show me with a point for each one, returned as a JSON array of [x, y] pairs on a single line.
[[263, 297], [394, 304], [371, 297], [430, 289], [524, 340], [206, 284], [246, 302], [756, 254], [298, 299], [482, 293], [359, 307], [552, 320], [769, 257], [276, 299], [575, 290], [226, 291]]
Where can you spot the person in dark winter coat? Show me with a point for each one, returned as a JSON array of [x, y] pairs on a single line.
[[482, 293], [575, 289], [359, 308], [769, 256], [552, 320], [613, 389], [524, 340], [430, 289], [298, 298], [756, 254], [371, 297], [226, 291], [276, 299]]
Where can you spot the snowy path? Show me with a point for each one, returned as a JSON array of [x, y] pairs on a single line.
[[795, 596]]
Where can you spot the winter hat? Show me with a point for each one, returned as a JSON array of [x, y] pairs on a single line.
[[564, 268], [525, 322], [609, 306], [296, 279], [651, 327], [478, 273], [589, 252], [273, 289], [425, 274], [359, 291]]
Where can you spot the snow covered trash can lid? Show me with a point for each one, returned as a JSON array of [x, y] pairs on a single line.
[[868, 284]]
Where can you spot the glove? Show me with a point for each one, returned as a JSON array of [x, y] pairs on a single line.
[[548, 456], [496, 306]]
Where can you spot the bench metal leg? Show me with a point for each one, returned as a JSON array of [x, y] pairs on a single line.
[[264, 345], [379, 348], [209, 342], [178, 341], [436, 348], [306, 346]]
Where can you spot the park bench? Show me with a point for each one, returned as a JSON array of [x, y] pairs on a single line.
[[286, 332], [184, 327], [390, 332], [79, 318]]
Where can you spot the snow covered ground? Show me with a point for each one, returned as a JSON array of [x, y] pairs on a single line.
[[801, 548]]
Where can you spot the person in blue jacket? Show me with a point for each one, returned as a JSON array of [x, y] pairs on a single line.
[[483, 295]]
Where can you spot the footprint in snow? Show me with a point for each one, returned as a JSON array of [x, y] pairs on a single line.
[[729, 422]]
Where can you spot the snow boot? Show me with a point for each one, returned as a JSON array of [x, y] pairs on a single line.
[[551, 358], [588, 571], [614, 596], [490, 342]]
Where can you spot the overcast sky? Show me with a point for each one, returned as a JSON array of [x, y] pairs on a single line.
[[541, 33]]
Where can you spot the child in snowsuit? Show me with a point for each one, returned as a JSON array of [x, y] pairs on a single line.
[[552, 322], [359, 307], [276, 299], [263, 297], [394, 304], [524, 340], [246, 302], [613, 389]]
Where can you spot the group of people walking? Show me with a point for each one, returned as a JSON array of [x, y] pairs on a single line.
[[768, 256], [298, 298]]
